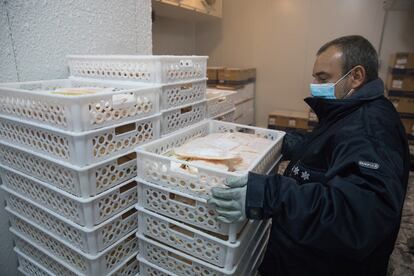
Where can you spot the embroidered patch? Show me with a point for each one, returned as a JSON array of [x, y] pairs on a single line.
[[369, 165]]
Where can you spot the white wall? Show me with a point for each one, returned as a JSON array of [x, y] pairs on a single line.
[[173, 37], [35, 36], [280, 38], [43, 32]]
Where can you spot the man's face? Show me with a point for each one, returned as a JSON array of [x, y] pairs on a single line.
[[328, 68]]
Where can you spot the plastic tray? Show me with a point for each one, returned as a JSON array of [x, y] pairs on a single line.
[[226, 116], [198, 243], [185, 208], [80, 148], [89, 240], [79, 181], [160, 169], [148, 69], [177, 118], [184, 93], [38, 244], [33, 101], [28, 266], [220, 104], [174, 262], [85, 212]]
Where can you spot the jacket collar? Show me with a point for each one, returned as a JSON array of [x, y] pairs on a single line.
[[325, 108]]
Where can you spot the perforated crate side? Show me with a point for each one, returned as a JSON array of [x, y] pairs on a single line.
[[89, 241], [83, 212], [28, 101], [84, 149]]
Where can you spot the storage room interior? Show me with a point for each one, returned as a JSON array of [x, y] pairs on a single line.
[[259, 55]]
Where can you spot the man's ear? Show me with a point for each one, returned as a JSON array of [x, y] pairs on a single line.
[[358, 77]]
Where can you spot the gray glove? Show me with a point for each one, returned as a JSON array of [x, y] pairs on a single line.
[[230, 202]]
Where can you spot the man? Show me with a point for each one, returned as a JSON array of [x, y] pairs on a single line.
[[337, 209]]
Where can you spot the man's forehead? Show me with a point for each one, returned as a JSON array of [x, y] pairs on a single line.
[[329, 60]]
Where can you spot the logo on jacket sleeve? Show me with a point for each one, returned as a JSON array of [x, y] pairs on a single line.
[[368, 165]]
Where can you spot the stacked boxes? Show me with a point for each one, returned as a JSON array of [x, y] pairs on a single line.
[[400, 88], [289, 120], [242, 82], [220, 104], [178, 231], [67, 165]]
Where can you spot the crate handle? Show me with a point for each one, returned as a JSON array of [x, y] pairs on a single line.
[[179, 258], [188, 86], [182, 199], [126, 158], [222, 99], [128, 187], [125, 129], [129, 213], [186, 109], [181, 230]]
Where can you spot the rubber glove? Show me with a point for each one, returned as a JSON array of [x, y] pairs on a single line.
[[230, 202]]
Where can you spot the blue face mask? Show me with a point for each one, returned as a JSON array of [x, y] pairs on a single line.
[[326, 90]]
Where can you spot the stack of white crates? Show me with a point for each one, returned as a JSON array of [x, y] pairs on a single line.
[[220, 104], [68, 168], [182, 80], [178, 232]]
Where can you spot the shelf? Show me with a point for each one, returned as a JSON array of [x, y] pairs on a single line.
[[190, 10]]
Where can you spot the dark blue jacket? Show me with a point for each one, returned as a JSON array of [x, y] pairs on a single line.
[[337, 209]]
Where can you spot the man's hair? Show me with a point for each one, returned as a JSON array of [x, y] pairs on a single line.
[[356, 50]]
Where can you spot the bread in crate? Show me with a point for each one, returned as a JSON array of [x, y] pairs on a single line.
[[83, 211], [174, 262], [139, 68], [80, 149], [30, 240], [205, 245], [156, 165], [77, 104], [78, 181]]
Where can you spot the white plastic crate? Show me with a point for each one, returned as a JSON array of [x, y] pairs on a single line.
[[80, 148], [89, 240], [177, 118], [226, 116], [31, 241], [157, 168], [85, 212], [50, 267], [184, 93], [214, 249], [79, 181], [174, 262], [221, 103], [35, 101], [148, 69], [185, 208]]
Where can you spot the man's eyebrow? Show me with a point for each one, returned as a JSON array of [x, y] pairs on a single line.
[[319, 73]]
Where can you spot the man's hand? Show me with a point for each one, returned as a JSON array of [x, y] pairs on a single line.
[[230, 202]]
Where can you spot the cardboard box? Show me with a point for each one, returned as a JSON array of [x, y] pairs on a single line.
[[400, 82], [402, 61], [237, 75], [408, 125], [212, 74], [403, 104], [287, 119]]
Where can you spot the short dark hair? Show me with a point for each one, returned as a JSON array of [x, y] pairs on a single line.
[[356, 50]]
